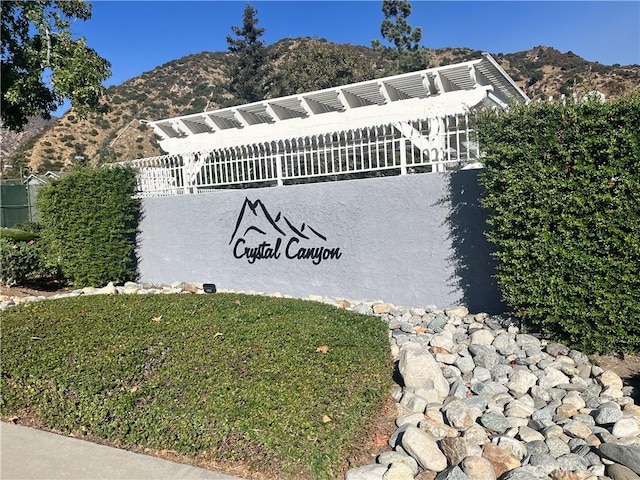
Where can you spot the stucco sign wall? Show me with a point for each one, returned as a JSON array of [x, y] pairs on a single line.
[[397, 239]]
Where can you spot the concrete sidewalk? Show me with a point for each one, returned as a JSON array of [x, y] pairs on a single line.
[[30, 454]]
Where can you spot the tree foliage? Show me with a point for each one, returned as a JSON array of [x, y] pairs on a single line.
[[247, 65], [406, 52], [563, 190], [42, 64], [316, 64]]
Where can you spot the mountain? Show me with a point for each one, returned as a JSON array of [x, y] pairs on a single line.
[[255, 219], [195, 83], [11, 141]]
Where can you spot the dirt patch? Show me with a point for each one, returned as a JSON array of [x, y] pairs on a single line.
[[626, 366], [35, 291]]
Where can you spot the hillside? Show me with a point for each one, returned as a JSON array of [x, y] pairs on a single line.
[[196, 83]]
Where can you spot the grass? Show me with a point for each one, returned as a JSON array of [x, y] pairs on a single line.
[[226, 378]]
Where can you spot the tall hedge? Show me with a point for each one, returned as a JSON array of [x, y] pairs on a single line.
[[90, 222], [562, 184]]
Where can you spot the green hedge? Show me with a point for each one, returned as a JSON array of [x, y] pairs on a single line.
[[562, 183], [89, 224]]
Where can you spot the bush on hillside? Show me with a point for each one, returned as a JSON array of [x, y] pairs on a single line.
[[90, 223], [563, 189]]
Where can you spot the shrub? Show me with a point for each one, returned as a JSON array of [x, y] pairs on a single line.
[[20, 262], [90, 221], [563, 189]]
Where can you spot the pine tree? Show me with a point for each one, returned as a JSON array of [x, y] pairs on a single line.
[[248, 59], [406, 52]]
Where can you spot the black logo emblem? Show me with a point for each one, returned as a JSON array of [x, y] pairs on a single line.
[[260, 236]]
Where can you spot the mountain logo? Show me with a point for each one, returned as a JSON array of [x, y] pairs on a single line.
[[258, 235]]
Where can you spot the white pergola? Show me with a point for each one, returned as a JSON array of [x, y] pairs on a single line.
[[412, 122]]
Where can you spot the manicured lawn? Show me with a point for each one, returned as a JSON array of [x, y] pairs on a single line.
[[226, 378]]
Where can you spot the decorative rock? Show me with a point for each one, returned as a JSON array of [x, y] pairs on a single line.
[[459, 415], [455, 449], [557, 447], [481, 374], [476, 435], [626, 427], [527, 435], [458, 311], [482, 337], [108, 289], [478, 468], [519, 409], [395, 458], [484, 356], [494, 421], [516, 448], [620, 472], [520, 474], [419, 369], [556, 349], [577, 429], [521, 381], [611, 379], [378, 308], [444, 341], [452, 473], [465, 363], [629, 456], [500, 458], [398, 471], [488, 390], [437, 429], [632, 410], [423, 448], [572, 462], [552, 377], [414, 402], [543, 460], [410, 419], [537, 447], [368, 472]]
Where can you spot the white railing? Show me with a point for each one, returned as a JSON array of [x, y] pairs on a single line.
[[420, 146]]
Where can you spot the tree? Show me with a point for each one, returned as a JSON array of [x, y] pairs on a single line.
[[246, 68], [42, 65], [312, 64], [406, 52]]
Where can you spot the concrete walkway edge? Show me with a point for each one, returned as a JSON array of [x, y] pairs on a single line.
[[30, 454]]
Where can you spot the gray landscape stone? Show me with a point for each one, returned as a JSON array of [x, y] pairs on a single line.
[[626, 427], [419, 369], [484, 356], [398, 471], [478, 468], [388, 458], [452, 473], [367, 472], [626, 455], [424, 449], [521, 473], [620, 472], [494, 421]]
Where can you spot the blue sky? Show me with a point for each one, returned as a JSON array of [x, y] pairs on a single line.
[[138, 36]]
